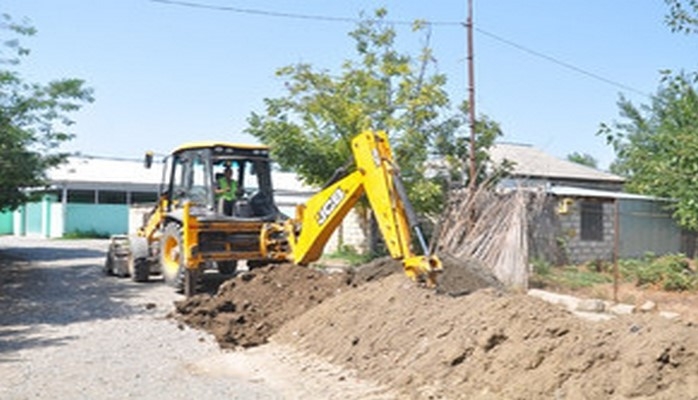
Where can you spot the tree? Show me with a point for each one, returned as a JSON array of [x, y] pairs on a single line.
[[309, 129], [683, 15], [452, 145], [657, 147], [583, 159], [33, 119], [657, 144]]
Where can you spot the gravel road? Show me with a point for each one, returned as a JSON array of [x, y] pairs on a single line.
[[67, 331]]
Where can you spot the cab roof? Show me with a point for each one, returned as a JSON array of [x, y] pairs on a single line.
[[213, 144]]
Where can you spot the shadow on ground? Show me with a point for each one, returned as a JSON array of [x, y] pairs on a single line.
[[57, 285]]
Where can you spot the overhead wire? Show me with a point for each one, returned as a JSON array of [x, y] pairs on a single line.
[[325, 18], [279, 14], [560, 63]]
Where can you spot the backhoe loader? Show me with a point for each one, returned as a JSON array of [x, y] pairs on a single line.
[[188, 230]]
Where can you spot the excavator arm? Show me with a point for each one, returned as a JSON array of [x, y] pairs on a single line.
[[377, 177]]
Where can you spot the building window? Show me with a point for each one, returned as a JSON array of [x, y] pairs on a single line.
[[143, 197], [110, 197], [592, 220], [81, 196]]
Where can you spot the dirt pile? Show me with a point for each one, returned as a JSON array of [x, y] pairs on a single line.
[[461, 277], [251, 307], [487, 345], [490, 345]]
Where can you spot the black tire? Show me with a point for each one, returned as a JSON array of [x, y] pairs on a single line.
[[227, 267], [139, 270], [171, 256], [139, 262], [191, 278], [121, 267], [108, 266], [253, 264]]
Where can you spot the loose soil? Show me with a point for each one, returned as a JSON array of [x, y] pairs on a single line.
[[485, 345]]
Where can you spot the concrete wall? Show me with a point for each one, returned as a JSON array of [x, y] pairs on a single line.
[[579, 250], [6, 223], [645, 227], [56, 223], [106, 219], [348, 233]]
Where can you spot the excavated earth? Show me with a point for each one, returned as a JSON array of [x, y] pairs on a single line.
[[481, 344]]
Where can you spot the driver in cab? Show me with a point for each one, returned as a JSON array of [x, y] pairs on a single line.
[[226, 189]]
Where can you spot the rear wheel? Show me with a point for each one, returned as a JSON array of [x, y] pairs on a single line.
[[172, 256]]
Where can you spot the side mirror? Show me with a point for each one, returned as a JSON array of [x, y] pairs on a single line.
[[148, 159]]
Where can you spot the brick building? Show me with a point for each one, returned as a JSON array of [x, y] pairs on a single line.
[[584, 206]]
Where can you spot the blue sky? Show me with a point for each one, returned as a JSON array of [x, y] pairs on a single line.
[[166, 74]]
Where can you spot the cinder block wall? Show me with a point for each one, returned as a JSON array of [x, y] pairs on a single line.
[[581, 251]]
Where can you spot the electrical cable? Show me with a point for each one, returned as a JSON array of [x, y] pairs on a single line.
[[484, 32]]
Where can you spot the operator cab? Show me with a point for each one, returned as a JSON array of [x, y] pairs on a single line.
[[196, 172]]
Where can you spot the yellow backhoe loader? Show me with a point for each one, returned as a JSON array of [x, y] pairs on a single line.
[[190, 228]]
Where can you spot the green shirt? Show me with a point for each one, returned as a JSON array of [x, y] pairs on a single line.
[[229, 188]]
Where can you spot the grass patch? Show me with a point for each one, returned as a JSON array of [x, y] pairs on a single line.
[[671, 272], [575, 278], [88, 234], [349, 255]]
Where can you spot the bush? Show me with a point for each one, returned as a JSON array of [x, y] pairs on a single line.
[[541, 267], [670, 272]]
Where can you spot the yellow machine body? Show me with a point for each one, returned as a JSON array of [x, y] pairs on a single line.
[[186, 231]]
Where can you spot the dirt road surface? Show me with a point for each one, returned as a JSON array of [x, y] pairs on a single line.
[[67, 331]]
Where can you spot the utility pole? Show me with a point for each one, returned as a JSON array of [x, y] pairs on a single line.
[[471, 96]]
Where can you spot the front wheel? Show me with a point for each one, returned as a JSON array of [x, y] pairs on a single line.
[[227, 267], [191, 277], [172, 256]]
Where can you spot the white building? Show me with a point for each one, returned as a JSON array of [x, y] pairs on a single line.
[[105, 196]]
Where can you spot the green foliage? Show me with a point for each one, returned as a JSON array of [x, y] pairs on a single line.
[[310, 128], [669, 272], [349, 255], [541, 267], [33, 120], [682, 16], [574, 278], [85, 234], [657, 146], [583, 159]]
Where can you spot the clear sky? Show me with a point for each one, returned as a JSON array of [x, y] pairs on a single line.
[[166, 74]]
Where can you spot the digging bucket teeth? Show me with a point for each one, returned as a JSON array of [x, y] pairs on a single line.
[[423, 269]]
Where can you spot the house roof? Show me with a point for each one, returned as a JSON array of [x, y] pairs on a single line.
[[101, 172], [530, 162], [86, 169]]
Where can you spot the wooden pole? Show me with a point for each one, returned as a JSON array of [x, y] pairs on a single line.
[[471, 96], [616, 249]]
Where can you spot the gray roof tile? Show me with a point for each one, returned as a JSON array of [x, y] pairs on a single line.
[[531, 162]]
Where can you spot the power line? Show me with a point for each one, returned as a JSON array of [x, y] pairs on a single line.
[[325, 18], [279, 14], [561, 63]]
